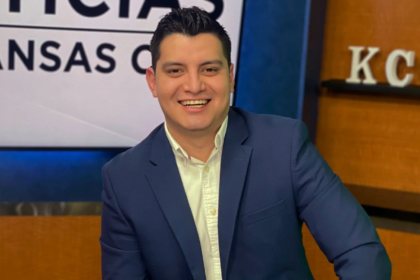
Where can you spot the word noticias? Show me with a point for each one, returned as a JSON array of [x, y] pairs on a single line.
[[123, 10], [391, 67]]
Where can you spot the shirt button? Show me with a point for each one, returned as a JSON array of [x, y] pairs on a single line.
[[207, 169], [213, 211]]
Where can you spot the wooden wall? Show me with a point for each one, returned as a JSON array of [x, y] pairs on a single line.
[[67, 248], [50, 248], [372, 140]]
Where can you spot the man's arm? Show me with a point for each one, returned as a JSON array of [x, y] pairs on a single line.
[[340, 226], [121, 258]]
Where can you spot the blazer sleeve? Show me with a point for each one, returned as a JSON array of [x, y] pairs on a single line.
[[339, 224], [121, 258]]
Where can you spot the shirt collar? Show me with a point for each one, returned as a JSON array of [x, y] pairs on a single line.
[[218, 140]]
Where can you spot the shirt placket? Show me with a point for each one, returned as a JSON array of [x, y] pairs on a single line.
[[210, 195]]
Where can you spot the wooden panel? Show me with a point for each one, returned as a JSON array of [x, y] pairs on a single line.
[[371, 140], [387, 24], [402, 249], [39, 248]]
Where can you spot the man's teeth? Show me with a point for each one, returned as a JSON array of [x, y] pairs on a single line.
[[194, 103]]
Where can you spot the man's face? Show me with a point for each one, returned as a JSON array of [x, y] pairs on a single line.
[[192, 82]]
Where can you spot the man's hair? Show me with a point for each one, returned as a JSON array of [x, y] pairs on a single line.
[[189, 22]]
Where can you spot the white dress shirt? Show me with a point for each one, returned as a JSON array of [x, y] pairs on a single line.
[[201, 184]]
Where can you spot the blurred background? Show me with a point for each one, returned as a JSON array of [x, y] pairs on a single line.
[[73, 96]]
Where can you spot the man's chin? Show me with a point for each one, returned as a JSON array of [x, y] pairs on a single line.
[[196, 128]]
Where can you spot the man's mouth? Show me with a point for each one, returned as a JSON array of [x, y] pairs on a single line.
[[194, 103]]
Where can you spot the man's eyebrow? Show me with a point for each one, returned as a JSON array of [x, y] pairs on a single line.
[[171, 63], [216, 61]]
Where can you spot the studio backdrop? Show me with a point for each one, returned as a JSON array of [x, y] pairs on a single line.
[[72, 72]]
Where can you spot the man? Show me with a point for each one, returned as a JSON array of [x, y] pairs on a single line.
[[219, 193]]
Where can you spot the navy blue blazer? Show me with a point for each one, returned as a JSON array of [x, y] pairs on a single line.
[[272, 180]]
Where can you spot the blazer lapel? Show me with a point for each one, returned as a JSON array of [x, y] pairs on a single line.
[[235, 161], [167, 186]]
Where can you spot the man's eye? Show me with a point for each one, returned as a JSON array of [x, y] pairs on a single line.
[[210, 70], [173, 71]]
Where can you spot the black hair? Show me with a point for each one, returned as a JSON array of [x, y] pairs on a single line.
[[189, 22]]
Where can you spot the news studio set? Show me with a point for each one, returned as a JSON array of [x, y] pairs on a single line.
[[209, 139]]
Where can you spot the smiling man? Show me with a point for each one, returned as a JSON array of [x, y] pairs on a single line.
[[192, 79], [219, 193]]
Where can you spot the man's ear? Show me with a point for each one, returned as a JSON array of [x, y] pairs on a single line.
[[232, 77], [151, 80]]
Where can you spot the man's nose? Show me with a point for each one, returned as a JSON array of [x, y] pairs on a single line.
[[194, 84]]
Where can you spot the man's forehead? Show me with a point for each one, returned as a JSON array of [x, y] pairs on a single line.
[[181, 44]]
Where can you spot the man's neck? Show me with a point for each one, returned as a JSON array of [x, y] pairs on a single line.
[[198, 145]]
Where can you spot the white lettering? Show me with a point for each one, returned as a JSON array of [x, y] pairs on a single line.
[[357, 65], [392, 67]]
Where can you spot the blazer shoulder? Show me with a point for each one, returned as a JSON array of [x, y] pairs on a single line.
[[260, 123], [134, 157]]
